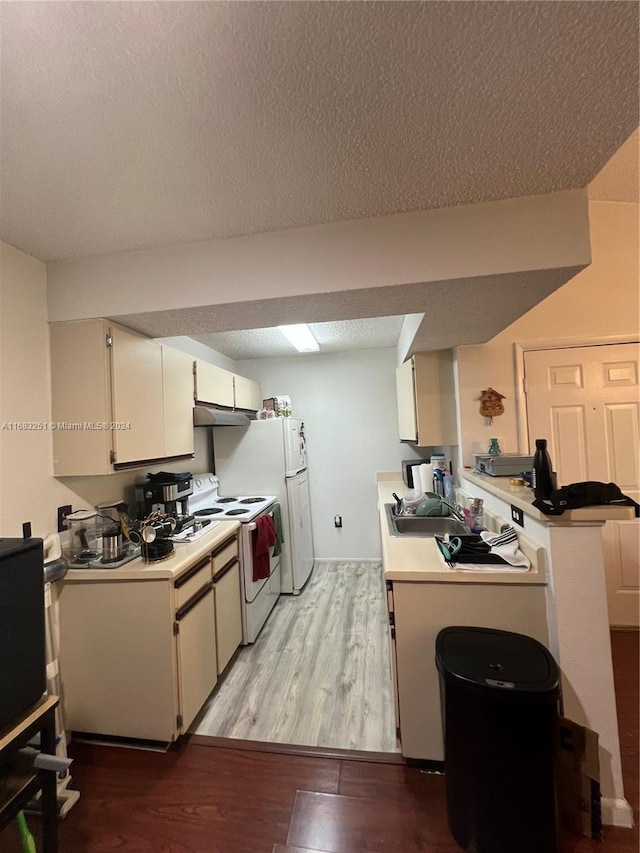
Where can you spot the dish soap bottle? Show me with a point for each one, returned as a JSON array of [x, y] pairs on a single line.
[[449, 494], [541, 476]]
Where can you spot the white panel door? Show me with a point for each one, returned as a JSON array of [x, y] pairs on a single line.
[[300, 529], [584, 401]]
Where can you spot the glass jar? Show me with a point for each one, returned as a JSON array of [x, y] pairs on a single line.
[[85, 537], [476, 508]]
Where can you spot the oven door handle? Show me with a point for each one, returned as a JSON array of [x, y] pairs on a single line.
[[251, 526]]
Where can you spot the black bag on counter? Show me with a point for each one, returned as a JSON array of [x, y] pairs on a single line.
[[589, 493]]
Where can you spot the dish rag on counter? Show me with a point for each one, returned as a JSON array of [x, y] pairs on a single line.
[[264, 537], [277, 523], [492, 551]]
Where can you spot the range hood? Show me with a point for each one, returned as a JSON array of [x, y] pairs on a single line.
[[209, 416]]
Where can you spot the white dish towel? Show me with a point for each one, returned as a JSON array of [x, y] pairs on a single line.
[[503, 545]]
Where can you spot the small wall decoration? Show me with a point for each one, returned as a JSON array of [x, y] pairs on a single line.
[[491, 404]]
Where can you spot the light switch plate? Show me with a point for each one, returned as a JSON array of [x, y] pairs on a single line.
[[517, 515]]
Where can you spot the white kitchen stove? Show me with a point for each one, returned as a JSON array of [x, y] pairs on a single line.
[[206, 503], [259, 593]]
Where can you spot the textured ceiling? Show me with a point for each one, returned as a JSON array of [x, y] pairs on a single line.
[[457, 311], [332, 337], [130, 125]]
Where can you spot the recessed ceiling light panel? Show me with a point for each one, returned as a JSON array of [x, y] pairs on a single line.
[[301, 337]]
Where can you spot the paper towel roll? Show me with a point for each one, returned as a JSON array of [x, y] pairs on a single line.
[[426, 477]]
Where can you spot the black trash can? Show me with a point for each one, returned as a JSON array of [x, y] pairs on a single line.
[[499, 693]]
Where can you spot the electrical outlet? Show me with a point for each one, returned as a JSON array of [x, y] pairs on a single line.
[[63, 512], [517, 515], [337, 521]]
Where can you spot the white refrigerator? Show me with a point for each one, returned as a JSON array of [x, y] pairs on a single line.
[[270, 457]]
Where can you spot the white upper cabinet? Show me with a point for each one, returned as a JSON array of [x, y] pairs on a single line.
[[248, 394], [115, 400], [407, 421], [220, 387], [213, 384], [81, 394], [426, 402], [137, 397], [177, 390]]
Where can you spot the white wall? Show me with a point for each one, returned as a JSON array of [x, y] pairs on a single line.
[[600, 303], [347, 401], [28, 489], [28, 492]]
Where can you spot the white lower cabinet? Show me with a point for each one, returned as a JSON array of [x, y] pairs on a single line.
[[138, 657], [118, 658], [228, 613], [417, 612], [197, 672]]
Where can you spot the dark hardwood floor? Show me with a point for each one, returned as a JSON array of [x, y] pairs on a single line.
[[201, 798]]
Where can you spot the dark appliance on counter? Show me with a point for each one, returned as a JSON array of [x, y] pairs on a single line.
[[409, 474], [22, 627], [166, 493]]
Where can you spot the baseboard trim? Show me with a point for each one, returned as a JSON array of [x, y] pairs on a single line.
[[296, 749], [375, 560], [617, 812]]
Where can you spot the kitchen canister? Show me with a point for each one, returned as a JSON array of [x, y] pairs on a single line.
[[438, 461]]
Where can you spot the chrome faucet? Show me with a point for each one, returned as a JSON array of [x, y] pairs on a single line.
[[456, 510]]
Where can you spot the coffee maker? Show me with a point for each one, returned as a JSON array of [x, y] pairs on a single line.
[[165, 493]]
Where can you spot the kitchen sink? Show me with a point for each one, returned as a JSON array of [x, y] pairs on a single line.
[[423, 525]]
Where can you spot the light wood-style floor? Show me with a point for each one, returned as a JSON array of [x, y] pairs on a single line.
[[319, 672]]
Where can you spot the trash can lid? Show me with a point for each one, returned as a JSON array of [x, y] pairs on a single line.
[[492, 658]]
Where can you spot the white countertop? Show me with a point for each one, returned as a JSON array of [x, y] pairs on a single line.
[[184, 554], [412, 558], [522, 497]]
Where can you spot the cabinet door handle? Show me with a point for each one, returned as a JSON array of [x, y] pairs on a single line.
[[224, 546], [223, 571], [188, 606], [182, 580]]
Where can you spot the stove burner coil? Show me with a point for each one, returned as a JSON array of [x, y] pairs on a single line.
[[227, 500], [208, 510], [252, 500], [236, 511]]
